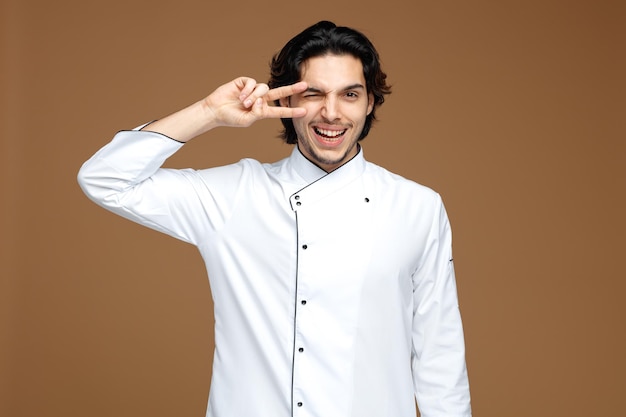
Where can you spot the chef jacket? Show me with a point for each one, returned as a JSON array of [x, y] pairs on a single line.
[[334, 293]]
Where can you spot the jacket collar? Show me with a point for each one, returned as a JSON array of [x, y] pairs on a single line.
[[318, 182], [310, 172]]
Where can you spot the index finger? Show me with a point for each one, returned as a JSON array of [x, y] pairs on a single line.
[[286, 91]]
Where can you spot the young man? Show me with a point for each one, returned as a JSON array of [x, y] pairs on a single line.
[[332, 278]]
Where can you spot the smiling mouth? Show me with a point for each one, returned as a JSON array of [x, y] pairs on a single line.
[[330, 135]]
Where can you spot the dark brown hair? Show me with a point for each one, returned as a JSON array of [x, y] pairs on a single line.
[[327, 38]]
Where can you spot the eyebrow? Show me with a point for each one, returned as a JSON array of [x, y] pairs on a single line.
[[355, 86]]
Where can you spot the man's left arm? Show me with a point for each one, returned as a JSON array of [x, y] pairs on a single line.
[[438, 361]]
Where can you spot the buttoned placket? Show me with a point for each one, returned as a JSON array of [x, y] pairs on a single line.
[[317, 188], [299, 407], [300, 294]]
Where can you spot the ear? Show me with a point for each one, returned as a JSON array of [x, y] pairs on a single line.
[[284, 101], [370, 103]]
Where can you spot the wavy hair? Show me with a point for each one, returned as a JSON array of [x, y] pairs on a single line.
[[327, 38]]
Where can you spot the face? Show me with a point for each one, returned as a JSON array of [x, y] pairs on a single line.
[[337, 104]]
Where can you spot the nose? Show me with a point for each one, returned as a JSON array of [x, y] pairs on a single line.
[[330, 109]]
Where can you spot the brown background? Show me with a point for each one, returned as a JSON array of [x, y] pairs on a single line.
[[513, 111]]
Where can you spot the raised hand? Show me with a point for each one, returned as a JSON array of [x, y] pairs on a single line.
[[243, 101], [238, 103]]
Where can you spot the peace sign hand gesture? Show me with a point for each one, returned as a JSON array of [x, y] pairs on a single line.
[[243, 101], [238, 103]]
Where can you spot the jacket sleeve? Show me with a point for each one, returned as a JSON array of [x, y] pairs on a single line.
[[438, 361], [126, 177]]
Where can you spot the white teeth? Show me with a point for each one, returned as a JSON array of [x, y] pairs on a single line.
[[330, 133]]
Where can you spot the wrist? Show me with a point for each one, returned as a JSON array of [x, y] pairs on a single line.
[[207, 114]]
